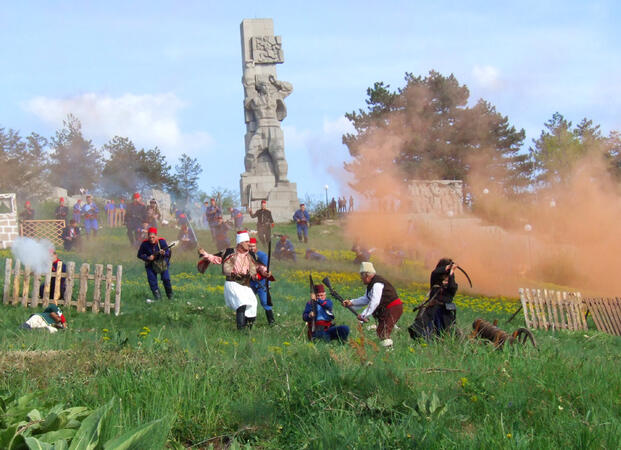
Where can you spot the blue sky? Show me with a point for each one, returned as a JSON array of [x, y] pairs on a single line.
[[169, 73]]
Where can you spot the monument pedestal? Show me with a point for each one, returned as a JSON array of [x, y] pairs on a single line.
[[282, 198]]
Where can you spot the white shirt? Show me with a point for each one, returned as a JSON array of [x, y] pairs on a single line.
[[372, 300]]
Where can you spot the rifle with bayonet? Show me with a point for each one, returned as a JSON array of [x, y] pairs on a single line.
[[313, 297], [337, 296], [267, 282]]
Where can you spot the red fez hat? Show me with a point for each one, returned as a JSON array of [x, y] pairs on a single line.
[[153, 230], [319, 289], [253, 240], [136, 195], [263, 201], [62, 199], [27, 203]]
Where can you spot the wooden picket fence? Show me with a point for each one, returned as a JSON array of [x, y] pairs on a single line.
[[606, 313], [21, 286], [116, 218], [553, 310]]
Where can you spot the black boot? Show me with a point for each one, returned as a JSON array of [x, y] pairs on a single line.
[[169, 294], [270, 316], [157, 295], [241, 317], [250, 322]]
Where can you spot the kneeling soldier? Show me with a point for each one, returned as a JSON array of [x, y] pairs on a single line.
[[318, 313]]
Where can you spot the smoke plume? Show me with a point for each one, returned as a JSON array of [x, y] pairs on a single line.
[[564, 236], [33, 253]]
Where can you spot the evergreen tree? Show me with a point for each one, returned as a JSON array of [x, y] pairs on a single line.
[[559, 147], [23, 164], [436, 135], [74, 162], [187, 173], [128, 170]]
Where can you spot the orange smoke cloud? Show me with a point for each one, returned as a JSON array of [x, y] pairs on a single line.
[[572, 239]]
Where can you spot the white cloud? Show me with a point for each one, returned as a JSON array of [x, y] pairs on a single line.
[[148, 120], [487, 76], [338, 127]]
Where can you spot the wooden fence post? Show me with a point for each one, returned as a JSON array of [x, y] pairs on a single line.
[[7, 280], [108, 289], [97, 290], [69, 283], [26, 288], [84, 269], [18, 269], [117, 299], [58, 276], [46, 289], [34, 297]]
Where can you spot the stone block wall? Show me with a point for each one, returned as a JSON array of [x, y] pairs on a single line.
[[9, 229], [436, 196]]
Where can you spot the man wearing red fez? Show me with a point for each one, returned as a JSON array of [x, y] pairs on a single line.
[[28, 213], [259, 286], [155, 253], [318, 316], [212, 212], [265, 222], [135, 216], [62, 211], [239, 266]]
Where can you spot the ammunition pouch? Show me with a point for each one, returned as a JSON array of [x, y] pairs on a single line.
[[244, 280]]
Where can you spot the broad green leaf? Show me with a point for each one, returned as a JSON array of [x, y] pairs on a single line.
[[35, 414], [87, 436], [7, 435], [135, 438], [52, 422], [35, 444], [61, 445], [53, 436], [76, 412]]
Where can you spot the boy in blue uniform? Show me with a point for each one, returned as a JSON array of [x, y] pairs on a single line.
[[302, 220], [320, 309], [151, 249], [259, 286]]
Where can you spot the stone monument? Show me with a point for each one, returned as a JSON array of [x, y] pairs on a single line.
[[265, 177]]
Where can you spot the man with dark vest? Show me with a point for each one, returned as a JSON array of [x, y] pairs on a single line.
[[211, 214], [62, 211], [135, 216], [381, 300], [71, 236], [265, 222]]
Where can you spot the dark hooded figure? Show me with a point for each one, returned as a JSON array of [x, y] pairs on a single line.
[[439, 312]]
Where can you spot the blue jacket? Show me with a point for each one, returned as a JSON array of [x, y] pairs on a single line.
[[301, 215], [147, 249], [324, 311], [260, 284]]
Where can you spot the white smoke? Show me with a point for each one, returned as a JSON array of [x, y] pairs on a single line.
[[33, 253]]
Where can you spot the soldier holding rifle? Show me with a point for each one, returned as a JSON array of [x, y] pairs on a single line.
[[318, 315], [381, 300]]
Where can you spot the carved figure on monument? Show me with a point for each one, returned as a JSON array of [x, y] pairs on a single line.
[[265, 109]]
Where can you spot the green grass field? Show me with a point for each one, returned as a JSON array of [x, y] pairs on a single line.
[[271, 388]]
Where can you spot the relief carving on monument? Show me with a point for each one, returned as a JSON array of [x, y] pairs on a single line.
[[267, 50]]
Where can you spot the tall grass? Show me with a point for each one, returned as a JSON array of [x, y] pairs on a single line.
[[270, 388]]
